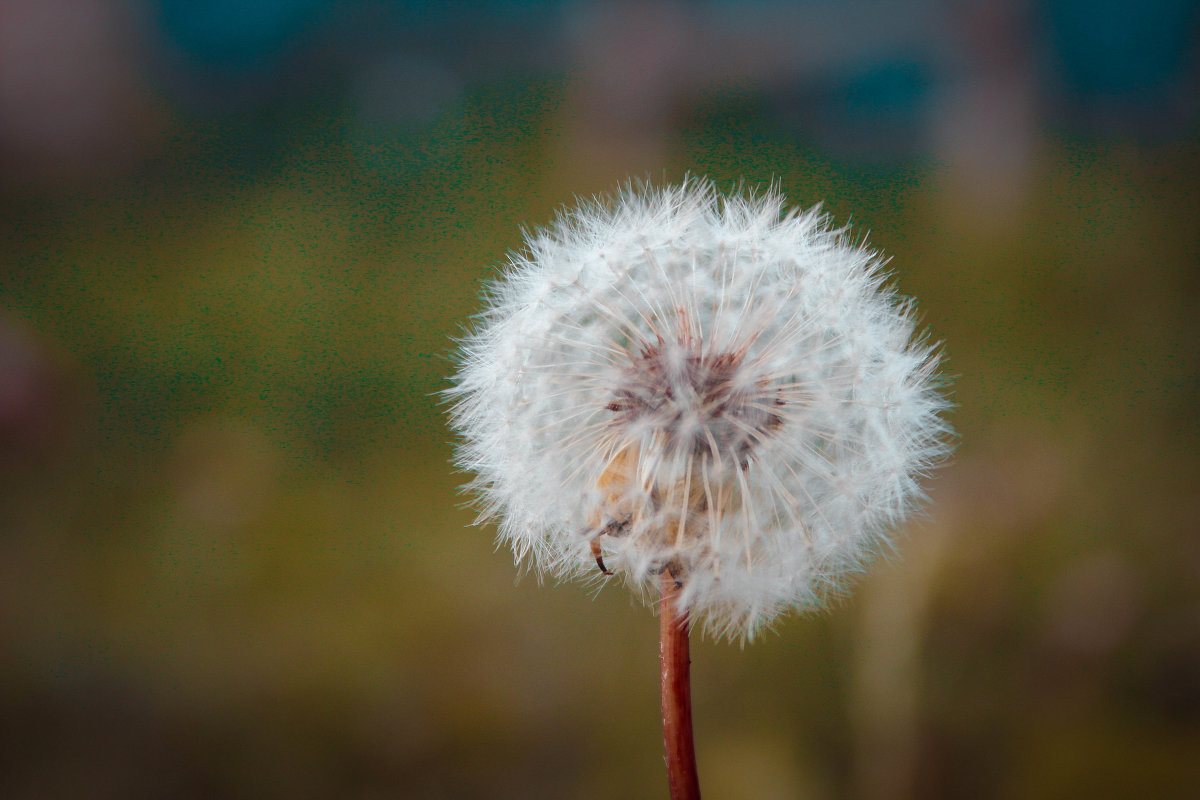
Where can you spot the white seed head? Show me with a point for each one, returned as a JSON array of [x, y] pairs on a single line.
[[675, 379]]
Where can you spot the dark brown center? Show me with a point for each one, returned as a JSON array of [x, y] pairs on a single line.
[[699, 403]]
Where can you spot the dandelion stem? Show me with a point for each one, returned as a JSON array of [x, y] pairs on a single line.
[[675, 663]]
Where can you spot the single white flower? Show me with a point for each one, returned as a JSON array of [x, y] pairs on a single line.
[[678, 380]]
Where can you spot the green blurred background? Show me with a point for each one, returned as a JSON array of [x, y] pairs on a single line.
[[236, 241]]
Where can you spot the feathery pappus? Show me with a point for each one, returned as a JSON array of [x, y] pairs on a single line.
[[711, 385]]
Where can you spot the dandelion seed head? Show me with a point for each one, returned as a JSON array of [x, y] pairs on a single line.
[[680, 380]]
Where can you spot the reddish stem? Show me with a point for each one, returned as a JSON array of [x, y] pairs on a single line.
[[675, 663]]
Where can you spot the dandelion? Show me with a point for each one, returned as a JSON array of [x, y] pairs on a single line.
[[701, 393]]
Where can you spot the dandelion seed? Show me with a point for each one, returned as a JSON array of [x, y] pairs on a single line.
[[677, 381], [701, 392]]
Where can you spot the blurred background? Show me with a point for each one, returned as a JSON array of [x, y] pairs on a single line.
[[237, 238]]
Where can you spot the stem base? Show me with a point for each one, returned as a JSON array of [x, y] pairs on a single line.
[[675, 670]]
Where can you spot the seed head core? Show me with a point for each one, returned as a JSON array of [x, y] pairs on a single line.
[[696, 404]]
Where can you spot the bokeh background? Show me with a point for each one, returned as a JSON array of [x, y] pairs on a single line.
[[236, 239]]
